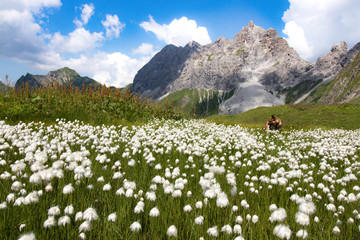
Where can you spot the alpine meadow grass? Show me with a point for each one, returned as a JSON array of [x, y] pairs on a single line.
[[184, 179]]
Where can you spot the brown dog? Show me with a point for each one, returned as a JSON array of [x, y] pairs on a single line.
[[273, 123]]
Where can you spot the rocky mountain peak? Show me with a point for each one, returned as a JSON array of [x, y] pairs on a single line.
[[251, 24], [258, 66], [331, 62]]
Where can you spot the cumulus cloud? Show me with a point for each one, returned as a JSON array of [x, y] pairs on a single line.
[[77, 41], [144, 49], [112, 25], [313, 26], [23, 39], [179, 32], [87, 10], [30, 5], [115, 69]]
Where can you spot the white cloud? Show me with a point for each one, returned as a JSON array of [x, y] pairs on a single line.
[[112, 25], [115, 69], [313, 26], [20, 35], [144, 49], [297, 40], [31, 5], [179, 32], [86, 12], [23, 39], [79, 40]]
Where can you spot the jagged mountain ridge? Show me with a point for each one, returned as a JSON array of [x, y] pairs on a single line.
[[63, 76], [259, 64]]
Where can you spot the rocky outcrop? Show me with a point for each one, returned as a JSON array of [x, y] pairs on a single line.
[[344, 88], [162, 70], [258, 63]]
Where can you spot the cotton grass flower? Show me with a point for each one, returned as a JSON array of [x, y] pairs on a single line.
[[154, 212], [90, 214], [68, 189], [172, 231], [85, 226], [112, 217], [237, 229], [222, 200], [135, 227], [336, 230], [64, 220], [49, 222], [27, 236], [255, 219], [239, 220], [3, 205], [54, 211], [107, 187], [69, 210], [212, 232], [78, 216], [227, 229], [199, 220], [302, 233], [278, 215], [307, 207], [302, 219], [187, 208], [282, 231]]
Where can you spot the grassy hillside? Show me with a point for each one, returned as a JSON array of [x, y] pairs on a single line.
[[198, 102], [94, 105], [344, 88], [298, 116]]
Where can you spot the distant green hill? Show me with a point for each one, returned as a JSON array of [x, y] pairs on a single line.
[[298, 116], [63, 76], [198, 102]]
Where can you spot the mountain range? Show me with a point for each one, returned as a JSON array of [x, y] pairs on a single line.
[[256, 68]]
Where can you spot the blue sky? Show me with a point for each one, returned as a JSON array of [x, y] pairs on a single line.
[[111, 40]]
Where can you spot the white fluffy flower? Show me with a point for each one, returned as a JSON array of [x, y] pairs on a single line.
[[68, 189], [278, 215], [54, 211], [212, 232], [27, 236], [187, 208], [172, 231], [307, 207], [227, 229], [302, 233], [199, 220], [112, 217], [107, 187], [49, 222], [69, 210], [282, 231], [135, 227], [90, 214], [154, 212], [64, 220], [237, 229], [85, 226], [302, 218]]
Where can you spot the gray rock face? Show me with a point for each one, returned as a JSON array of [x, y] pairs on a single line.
[[257, 63]]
